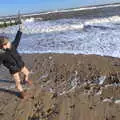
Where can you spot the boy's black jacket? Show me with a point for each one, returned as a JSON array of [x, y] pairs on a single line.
[[11, 58]]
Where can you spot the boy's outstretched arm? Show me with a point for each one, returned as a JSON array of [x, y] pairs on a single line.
[[1, 58], [17, 38]]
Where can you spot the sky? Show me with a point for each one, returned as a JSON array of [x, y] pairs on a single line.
[[11, 7]]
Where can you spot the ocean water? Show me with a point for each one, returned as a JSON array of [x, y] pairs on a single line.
[[100, 36]]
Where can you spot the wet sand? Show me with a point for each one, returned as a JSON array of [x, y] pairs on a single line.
[[66, 87]]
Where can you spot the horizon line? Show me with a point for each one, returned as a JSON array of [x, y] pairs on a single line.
[[60, 10]]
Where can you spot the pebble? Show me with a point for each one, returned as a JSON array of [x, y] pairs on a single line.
[[50, 57], [117, 102], [107, 100]]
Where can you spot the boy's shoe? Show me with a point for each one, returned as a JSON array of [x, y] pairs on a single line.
[[23, 94], [29, 82]]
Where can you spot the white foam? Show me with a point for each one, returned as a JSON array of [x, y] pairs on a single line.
[[73, 36], [103, 20], [31, 27], [28, 20]]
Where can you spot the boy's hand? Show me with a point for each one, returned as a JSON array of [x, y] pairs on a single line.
[[20, 27]]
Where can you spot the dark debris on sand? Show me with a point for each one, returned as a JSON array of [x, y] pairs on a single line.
[[66, 87]]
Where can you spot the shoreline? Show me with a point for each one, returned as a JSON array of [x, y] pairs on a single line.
[[74, 54]]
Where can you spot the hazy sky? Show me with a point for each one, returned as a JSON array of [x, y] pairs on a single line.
[[8, 7]]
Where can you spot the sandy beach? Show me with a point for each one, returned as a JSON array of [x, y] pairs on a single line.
[[68, 53], [66, 87]]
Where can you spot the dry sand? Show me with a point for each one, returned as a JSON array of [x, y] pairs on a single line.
[[66, 87]]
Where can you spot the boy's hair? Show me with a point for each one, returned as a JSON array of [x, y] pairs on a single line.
[[3, 40]]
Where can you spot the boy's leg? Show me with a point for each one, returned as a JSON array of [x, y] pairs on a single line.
[[23, 94], [26, 72], [17, 81]]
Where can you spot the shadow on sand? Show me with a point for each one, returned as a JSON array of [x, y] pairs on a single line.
[[7, 90], [6, 81], [12, 92]]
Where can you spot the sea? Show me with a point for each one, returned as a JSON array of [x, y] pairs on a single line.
[[76, 35]]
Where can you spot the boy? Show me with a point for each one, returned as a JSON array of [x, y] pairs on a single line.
[[11, 59]]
